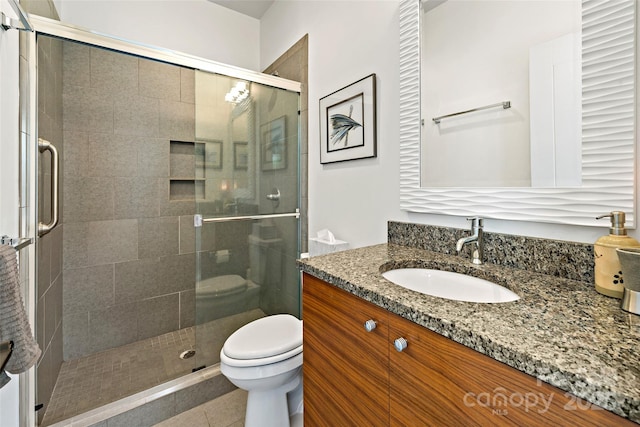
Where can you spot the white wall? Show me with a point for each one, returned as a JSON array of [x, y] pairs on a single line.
[[9, 202], [347, 41], [196, 27]]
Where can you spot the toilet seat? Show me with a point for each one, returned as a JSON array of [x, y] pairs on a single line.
[[267, 340], [248, 363], [221, 285]]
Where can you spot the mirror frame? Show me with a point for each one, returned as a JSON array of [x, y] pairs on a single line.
[[607, 175]]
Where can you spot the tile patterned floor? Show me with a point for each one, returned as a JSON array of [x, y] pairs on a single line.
[[225, 411], [95, 380]]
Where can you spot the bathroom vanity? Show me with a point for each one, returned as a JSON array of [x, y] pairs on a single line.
[[557, 356]]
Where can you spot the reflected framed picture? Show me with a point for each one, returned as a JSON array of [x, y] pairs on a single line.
[[240, 155], [213, 154], [348, 122], [273, 144]]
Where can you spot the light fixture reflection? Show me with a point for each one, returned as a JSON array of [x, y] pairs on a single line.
[[238, 93]]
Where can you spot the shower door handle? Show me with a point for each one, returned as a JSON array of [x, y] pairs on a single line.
[[44, 145]]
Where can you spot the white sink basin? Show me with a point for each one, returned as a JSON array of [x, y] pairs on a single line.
[[445, 284]]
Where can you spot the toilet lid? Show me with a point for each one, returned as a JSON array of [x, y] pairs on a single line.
[[265, 337]]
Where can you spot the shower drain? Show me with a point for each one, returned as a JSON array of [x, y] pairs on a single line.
[[187, 354]]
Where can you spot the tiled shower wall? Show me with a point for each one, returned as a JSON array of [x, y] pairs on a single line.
[[128, 250]]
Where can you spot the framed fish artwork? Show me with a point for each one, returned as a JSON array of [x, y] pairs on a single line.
[[348, 122]]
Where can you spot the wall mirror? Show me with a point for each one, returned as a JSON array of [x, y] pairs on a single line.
[[506, 163], [243, 149], [226, 131]]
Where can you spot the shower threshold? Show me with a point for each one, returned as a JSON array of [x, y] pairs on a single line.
[[123, 377], [137, 400]]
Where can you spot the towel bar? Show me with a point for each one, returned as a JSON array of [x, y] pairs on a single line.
[[504, 105], [17, 243]]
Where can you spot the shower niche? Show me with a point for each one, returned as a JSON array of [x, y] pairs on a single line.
[[186, 170]]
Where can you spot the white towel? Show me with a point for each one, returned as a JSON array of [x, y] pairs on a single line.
[[14, 324]]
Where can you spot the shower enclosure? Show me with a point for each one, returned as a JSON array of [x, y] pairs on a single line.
[[179, 213]]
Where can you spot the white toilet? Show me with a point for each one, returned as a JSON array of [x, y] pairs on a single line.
[[264, 357]]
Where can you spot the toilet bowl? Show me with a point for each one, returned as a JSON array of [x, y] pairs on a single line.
[[264, 357]]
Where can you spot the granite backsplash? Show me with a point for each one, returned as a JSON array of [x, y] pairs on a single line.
[[557, 258]]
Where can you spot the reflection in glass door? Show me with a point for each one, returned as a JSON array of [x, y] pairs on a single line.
[[247, 197]]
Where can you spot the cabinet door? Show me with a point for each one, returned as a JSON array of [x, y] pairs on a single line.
[[345, 368], [438, 382]]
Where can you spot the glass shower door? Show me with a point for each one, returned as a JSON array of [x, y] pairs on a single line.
[[247, 198]]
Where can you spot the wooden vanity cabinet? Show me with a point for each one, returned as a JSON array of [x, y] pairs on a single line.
[[358, 378], [345, 368], [436, 381]]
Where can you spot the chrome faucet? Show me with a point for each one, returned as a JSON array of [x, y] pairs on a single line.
[[475, 239]]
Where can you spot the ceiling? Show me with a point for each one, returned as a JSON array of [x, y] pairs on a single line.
[[253, 8]]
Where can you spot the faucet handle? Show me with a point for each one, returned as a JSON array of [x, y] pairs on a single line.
[[476, 222]]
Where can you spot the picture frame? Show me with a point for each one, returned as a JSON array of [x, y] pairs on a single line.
[[273, 144], [348, 122], [213, 154], [241, 155]]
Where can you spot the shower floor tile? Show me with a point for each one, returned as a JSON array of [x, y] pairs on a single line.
[[98, 379]]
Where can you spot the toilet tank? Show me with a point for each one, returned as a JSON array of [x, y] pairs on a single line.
[[265, 260]]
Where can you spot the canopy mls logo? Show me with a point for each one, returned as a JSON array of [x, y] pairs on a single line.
[[500, 401]]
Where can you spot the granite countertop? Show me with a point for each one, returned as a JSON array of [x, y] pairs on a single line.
[[560, 331]]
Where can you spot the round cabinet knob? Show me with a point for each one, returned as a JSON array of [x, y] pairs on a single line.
[[370, 325], [400, 344]]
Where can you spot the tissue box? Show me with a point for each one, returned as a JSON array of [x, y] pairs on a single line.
[[322, 247]]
